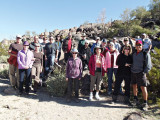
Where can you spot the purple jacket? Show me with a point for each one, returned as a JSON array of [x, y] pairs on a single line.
[[25, 59], [74, 68]]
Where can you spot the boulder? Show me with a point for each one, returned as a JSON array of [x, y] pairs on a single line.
[[134, 116]]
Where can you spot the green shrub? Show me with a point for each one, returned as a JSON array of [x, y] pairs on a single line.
[[3, 59], [56, 84], [3, 50]]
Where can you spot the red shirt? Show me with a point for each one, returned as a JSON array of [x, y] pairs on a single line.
[[69, 45]]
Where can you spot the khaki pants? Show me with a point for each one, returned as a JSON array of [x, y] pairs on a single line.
[[96, 80], [14, 75], [36, 70]]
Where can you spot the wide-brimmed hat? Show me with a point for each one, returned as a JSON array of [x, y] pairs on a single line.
[[74, 50], [86, 41], [26, 43], [97, 38], [99, 47], [18, 36]]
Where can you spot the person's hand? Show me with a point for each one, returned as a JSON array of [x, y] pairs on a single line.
[[127, 65], [66, 79], [33, 59], [79, 78], [26, 67], [45, 57], [55, 59]]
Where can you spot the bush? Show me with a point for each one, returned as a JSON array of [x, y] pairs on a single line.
[[4, 73], [56, 84], [3, 50], [3, 59]]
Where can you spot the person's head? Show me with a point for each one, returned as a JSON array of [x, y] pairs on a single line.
[[51, 39], [35, 39], [144, 35], [69, 35], [18, 38], [114, 40], [58, 37], [86, 43], [97, 49], [44, 39], [139, 45], [111, 46], [37, 46], [74, 52], [83, 36], [97, 39], [126, 41], [25, 45], [104, 43], [127, 49]]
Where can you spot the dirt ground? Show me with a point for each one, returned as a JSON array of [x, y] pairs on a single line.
[[42, 106]]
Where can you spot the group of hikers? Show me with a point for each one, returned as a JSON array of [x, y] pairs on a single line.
[[127, 61]]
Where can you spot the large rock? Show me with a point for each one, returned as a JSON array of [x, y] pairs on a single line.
[[134, 116]]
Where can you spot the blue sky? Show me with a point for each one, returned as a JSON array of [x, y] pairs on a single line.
[[19, 16]]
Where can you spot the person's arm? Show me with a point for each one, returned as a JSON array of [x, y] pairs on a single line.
[[10, 51], [148, 63], [67, 70], [81, 69]]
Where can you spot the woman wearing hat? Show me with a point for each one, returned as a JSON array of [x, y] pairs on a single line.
[[73, 74], [110, 61], [25, 60], [97, 70], [37, 66]]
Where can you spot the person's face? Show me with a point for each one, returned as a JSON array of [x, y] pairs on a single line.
[[74, 54], [126, 42], [86, 44], [110, 46], [114, 40], [98, 50], [126, 50], [58, 37], [35, 40], [97, 40], [83, 37], [103, 44], [18, 39], [51, 40], [139, 47], [37, 48], [143, 36], [25, 47]]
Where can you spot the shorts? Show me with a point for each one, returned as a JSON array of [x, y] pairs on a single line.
[[140, 79]]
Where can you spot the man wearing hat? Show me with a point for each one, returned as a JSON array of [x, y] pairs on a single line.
[[116, 44], [59, 45], [140, 67], [73, 75], [95, 44], [25, 59], [147, 44], [85, 54], [81, 42], [13, 65], [51, 55], [104, 46]]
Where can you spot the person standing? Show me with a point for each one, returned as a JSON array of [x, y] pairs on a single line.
[[85, 55], [73, 75], [110, 61], [51, 55], [140, 67], [32, 45], [124, 62], [95, 44], [13, 65], [97, 69], [25, 60], [82, 42], [37, 66], [68, 44], [116, 44], [59, 45]]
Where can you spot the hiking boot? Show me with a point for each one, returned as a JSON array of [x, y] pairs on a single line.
[[135, 102], [114, 98], [145, 107], [97, 97]]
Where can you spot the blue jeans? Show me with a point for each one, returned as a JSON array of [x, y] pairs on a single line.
[[50, 63], [110, 77], [22, 73]]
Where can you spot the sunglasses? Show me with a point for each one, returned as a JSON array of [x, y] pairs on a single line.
[[74, 53], [138, 45], [126, 48], [86, 43]]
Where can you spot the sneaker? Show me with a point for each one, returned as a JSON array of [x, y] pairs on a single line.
[[90, 97], [135, 102], [145, 107], [97, 97]]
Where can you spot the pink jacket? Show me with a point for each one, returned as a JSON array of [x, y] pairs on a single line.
[[108, 59], [92, 65]]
